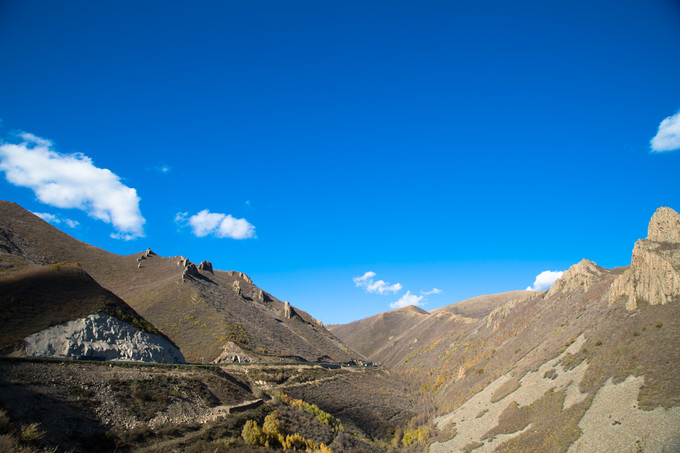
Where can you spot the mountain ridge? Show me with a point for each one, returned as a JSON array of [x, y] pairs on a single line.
[[201, 309]]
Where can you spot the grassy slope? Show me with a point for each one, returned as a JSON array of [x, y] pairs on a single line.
[[200, 315], [371, 334], [453, 358]]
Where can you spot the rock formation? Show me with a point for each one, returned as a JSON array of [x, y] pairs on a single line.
[[654, 273], [236, 286], [190, 271], [240, 275], [287, 310], [664, 226], [233, 353], [101, 336], [259, 296], [149, 253], [206, 266], [579, 276]]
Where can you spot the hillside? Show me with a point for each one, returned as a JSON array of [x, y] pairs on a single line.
[[370, 335], [589, 365], [543, 371], [210, 315]]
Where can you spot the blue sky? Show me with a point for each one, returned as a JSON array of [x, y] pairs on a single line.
[[452, 145]]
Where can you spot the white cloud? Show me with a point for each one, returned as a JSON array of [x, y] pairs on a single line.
[[217, 224], [668, 136], [432, 291], [380, 286], [72, 181], [407, 299], [47, 217], [544, 280]]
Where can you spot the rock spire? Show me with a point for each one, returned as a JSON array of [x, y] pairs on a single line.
[[654, 272]]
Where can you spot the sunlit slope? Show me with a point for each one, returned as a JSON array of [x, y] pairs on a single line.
[[208, 313]]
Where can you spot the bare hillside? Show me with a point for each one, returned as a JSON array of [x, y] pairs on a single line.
[[211, 315], [554, 370]]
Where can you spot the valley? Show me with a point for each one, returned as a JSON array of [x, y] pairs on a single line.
[[589, 365]]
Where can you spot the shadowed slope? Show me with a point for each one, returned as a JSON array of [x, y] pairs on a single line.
[[37, 298]]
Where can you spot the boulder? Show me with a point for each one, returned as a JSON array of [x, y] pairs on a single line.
[[206, 266], [287, 312]]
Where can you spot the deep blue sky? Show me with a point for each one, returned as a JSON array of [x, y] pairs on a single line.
[[459, 145]]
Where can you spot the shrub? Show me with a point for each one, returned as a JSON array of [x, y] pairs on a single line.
[[312, 409], [31, 433], [253, 434], [418, 436]]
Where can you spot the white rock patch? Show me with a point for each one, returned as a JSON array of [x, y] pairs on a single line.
[[614, 423], [101, 336], [471, 426]]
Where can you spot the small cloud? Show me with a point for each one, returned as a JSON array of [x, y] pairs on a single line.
[[56, 220], [668, 136], [71, 223], [381, 287], [217, 224], [544, 280], [72, 181], [407, 299], [432, 291]]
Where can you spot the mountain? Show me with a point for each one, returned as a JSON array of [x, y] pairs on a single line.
[[371, 335], [589, 365], [211, 315]]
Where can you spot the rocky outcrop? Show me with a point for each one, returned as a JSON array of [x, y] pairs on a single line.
[[206, 266], [654, 273], [287, 310], [259, 296], [664, 226], [240, 275], [236, 286], [233, 353], [148, 253], [190, 271], [580, 276], [101, 337]]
